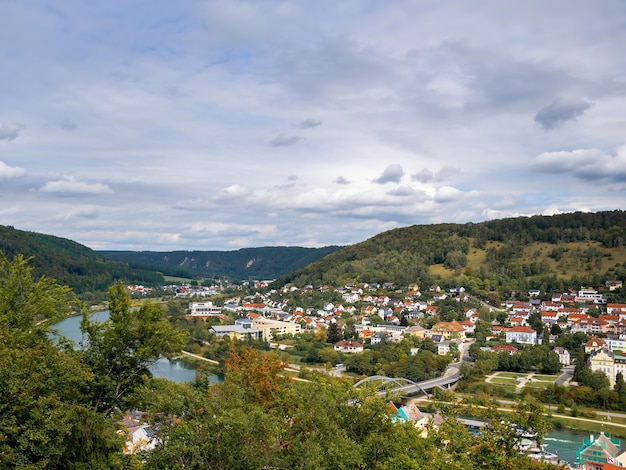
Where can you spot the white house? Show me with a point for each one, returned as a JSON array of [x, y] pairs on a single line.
[[521, 334], [564, 356], [349, 347]]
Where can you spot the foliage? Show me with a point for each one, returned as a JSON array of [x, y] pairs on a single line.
[[517, 253], [246, 263], [69, 263], [121, 349], [44, 412], [324, 423]]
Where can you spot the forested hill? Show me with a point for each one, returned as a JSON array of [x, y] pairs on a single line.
[[246, 263], [516, 253], [69, 262]]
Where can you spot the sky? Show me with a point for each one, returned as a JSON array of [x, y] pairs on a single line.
[[218, 125]]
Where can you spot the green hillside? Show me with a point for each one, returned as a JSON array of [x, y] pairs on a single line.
[[70, 263], [548, 252], [246, 263]]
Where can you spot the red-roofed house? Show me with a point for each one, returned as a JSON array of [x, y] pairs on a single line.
[[504, 347], [349, 347]]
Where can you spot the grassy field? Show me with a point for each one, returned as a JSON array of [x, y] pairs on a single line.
[[545, 378], [510, 375], [513, 379], [504, 381]]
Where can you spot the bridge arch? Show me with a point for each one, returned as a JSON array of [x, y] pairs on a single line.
[[399, 382]]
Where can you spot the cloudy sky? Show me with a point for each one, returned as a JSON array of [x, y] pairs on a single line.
[[218, 125]]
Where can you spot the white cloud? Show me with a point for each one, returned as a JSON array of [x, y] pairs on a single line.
[[72, 186], [7, 171]]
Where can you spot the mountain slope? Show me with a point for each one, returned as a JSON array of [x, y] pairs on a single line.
[[246, 263], [69, 262], [578, 248]]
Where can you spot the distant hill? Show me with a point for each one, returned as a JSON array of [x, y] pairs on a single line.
[[246, 263], [69, 262], [495, 256]]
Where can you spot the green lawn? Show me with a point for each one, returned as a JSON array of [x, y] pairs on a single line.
[[504, 381], [545, 378], [510, 375], [539, 384]]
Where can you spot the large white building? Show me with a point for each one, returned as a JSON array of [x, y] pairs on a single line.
[[203, 309], [522, 335]]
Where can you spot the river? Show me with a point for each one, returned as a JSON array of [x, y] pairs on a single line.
[[175, 371], [565, 442]]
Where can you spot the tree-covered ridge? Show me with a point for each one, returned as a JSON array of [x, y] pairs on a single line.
[[495, 255], [247, 263], [69, 262]]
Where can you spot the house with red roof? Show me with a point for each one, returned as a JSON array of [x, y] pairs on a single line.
[[504, 347], [351, 347]]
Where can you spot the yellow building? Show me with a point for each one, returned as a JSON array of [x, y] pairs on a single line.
[[270, 327], [448, 329]]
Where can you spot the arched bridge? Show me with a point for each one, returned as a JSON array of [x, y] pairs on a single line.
[[406, 386]]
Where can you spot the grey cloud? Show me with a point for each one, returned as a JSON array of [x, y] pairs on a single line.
[[583, 164], [292, 177], [402, 191], [341, 180], [423, 176], [333, 65], [10, 130], [428, 176], [67, 125], [391, 174], [560, 111], [309, 123], [285, 141]]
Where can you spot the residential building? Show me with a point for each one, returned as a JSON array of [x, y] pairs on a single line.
[[606, 361], [204, 309], [448, 330], [236, 332], [270, 327], [564, 356], [351, 347], [598, 450], [521, 334]]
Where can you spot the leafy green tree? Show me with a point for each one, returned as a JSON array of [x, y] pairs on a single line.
[[30, 305], [44, 412], [121, 349]]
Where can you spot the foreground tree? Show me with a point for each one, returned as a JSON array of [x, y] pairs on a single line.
[[121, 349], [43, 410], [258, 418]]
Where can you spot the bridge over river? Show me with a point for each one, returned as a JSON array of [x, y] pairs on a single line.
[[404, 386]]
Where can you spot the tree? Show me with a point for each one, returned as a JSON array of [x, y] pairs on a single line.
[[44, 412], [121, 349], [334, 333], [620, 386], [28, 305]]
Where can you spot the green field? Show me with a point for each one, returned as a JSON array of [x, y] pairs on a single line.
[[545, 378], [504, 381], [510, 375]]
